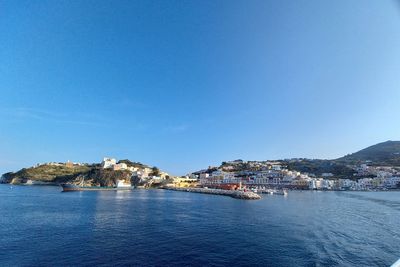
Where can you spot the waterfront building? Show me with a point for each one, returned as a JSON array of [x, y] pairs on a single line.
[[311, 184], [300, 183], [392, 182], [204, 175], [287, 179], [365, 183], [317, 184], [328, 184], [219, 178], [347, 184]]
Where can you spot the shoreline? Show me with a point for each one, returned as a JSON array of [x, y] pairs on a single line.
[[234, 194], [185, 188]]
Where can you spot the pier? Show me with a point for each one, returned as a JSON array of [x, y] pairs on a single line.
[[248, 195]]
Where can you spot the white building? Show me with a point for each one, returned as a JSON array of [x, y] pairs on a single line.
[[392, 182], [218, 177], [347, 184], [328, 184], [204, 178], [133, 169], [276, 167], [140, 174], [120, 166], [365, 183], [108, 163], [316, 184]]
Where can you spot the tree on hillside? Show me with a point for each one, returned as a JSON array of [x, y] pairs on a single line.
[[155, 171]]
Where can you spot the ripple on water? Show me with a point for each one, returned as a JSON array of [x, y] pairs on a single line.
[[45, 227]]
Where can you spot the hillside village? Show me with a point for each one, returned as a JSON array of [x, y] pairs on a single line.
[[368, 169], [275, 174]]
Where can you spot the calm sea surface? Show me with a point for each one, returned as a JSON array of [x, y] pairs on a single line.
[[42, 226]]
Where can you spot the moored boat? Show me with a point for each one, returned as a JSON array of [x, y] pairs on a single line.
[[282, 192], [72, 187]]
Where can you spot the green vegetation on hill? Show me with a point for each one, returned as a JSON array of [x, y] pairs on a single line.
[[47, 173], [133, 164], [385, 154], [318, 167], [382, 154], [239, 166], [89, 174], [86, 174]]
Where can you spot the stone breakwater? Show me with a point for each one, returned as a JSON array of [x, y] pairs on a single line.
[[231, 193]]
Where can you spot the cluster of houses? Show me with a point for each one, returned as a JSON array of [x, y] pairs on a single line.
[[274, 175], [141, 172]]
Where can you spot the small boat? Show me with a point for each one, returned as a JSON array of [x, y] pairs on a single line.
[[282, 192]]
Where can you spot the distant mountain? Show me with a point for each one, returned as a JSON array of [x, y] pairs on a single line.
[[386, 153]]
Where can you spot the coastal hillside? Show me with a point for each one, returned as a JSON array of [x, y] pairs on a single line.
[[347, 167], [318, 167], [386, 154], [133, 164], [49, 173], [382, 154], [314, 166], [108, 173]]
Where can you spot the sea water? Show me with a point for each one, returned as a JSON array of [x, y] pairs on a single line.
[[40, 226]]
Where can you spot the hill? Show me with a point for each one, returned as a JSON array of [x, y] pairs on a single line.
[[89, 174], [46, 173], [134, 164], [318, 167], [382, 154], [385, 154]]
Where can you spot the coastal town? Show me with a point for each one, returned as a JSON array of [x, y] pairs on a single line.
[[272, 174], [234, 175]]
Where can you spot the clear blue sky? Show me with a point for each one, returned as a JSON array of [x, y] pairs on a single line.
[[187, 84]]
